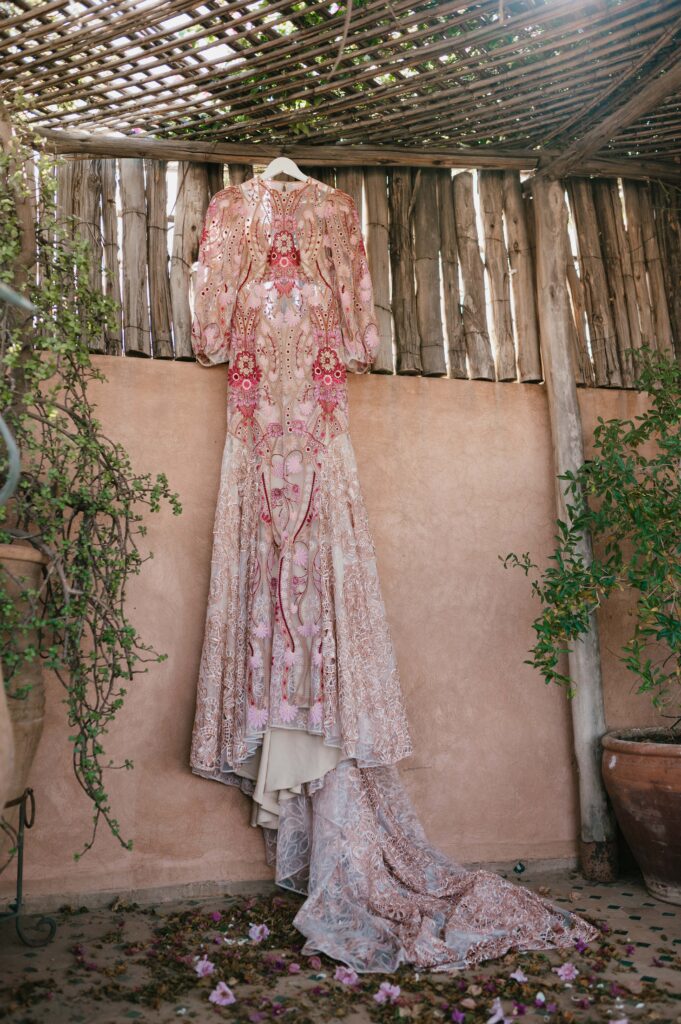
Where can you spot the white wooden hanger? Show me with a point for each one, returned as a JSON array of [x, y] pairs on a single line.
[[283, 165]]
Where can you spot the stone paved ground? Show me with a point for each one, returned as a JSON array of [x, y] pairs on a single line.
[[132, 962]]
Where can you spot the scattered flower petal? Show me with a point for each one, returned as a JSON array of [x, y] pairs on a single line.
[[566, 972], [498, 1016], [258, 932], [387, 993], [222, 995], [346, 975], [203, 966]]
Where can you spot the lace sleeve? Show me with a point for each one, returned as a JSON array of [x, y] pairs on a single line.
[[216, 277], [352, 284]]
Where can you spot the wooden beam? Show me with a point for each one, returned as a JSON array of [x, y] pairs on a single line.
[[642, 102], [86, 144], [598, 849], [616, 83]]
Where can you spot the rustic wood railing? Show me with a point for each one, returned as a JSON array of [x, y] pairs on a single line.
[[451, 257]]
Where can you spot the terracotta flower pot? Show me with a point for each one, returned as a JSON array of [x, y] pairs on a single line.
[[25, 564], [643, 780]]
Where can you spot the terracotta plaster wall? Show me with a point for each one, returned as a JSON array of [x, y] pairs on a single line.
[[454, 473]]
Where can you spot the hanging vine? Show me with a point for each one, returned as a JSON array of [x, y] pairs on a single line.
[[79, 500]]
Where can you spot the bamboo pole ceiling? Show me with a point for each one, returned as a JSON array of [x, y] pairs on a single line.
[[515, 75]]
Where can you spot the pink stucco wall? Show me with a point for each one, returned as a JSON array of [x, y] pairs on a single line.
[[454, 474]]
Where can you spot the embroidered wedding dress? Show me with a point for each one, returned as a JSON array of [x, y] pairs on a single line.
[[299, 700]]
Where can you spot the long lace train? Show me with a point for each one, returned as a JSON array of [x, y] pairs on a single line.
[[380, 895]]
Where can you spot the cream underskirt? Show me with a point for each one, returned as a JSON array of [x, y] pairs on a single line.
[[286, 759]]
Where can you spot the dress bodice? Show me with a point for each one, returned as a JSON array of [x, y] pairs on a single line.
[[283, 294]]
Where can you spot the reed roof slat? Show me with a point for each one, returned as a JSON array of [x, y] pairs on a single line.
[[542, 75]]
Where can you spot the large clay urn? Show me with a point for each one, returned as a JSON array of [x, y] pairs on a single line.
[[22, 569], [643, 778]]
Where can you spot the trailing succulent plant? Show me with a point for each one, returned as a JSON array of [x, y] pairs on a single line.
[[78, 501]]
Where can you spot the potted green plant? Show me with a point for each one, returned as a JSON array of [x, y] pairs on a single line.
[[69, 534], [627, 496]]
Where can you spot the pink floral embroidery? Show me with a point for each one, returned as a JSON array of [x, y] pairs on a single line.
[[284, 261], [244, 372], [257, 717], [315, 716], [287, 712], [329, 377], [244, 377]]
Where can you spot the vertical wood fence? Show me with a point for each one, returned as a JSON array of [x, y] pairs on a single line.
[[451, 257]]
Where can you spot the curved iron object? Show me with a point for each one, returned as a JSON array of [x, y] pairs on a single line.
[[26, 821]]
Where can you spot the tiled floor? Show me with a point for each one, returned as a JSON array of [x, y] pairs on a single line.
[[636, 919], [130, 962]]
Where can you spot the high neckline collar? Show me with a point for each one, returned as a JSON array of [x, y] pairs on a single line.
[[291, 186]]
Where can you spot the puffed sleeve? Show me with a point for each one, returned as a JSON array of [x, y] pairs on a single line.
[[352, 284], [216, 277]]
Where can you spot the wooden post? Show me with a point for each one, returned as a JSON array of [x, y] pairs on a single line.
[[456, 339], [596, 293], [64, 210], [157, 244], [584, 371], [328, 174], [598, 849], [606, 214], [658, 295], [523, 285], [378, 257], [238, 173], [627, 272], [112, 278], [216, 178], [638, 262], [349, 179], [667, 203], [87, 190], [478, 346], [402, 265], [136, 333], [427, 273], [490, 188], [190, 211]]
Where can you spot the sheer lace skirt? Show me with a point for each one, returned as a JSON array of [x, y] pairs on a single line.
[[380, 895]]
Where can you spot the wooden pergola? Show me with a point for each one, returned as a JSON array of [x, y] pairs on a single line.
[[565, 85], [537, 96]]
